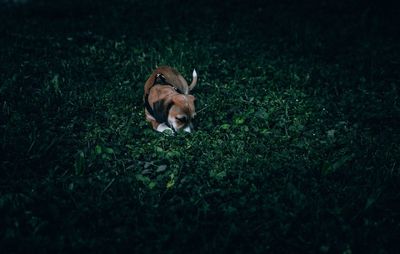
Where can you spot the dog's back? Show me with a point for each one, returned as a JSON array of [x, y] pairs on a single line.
[[171, 76]]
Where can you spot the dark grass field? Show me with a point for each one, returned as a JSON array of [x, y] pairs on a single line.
[[296, 148]]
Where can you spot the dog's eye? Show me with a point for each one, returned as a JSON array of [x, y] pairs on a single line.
[[182, 119]]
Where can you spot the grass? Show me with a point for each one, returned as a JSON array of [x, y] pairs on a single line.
[[296, 148]]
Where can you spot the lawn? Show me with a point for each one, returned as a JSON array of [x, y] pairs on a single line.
[[296, 143]]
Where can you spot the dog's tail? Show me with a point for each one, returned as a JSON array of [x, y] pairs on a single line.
[[194, 80]]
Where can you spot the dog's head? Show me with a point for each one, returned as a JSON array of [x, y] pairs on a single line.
[[182, 112]]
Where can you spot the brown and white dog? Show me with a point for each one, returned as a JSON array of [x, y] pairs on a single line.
[[168, 104]]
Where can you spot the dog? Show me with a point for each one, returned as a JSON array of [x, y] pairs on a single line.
[[168, 104]]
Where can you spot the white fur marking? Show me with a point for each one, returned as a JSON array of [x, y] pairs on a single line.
[[194, 73], [187, 129], [162, 127], [172, 122], [149, 117]]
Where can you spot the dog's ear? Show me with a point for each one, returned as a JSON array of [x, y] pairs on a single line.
[[161, 110]]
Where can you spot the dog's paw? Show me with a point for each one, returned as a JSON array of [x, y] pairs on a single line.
[[164, 129], [187, 129]]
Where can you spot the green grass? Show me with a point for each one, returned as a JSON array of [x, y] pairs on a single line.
[[296, 148]]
